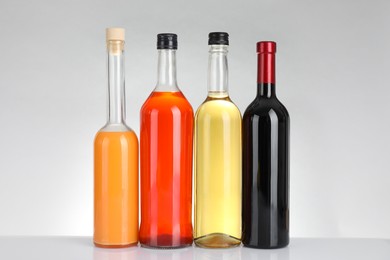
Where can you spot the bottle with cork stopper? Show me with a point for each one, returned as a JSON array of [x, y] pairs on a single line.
[[115, 160]]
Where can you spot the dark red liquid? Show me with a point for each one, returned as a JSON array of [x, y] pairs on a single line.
[[265, 202], [166, 171]]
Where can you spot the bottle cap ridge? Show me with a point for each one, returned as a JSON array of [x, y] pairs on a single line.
[[218, 38], [167, 41], [266, 47], [115, 34]]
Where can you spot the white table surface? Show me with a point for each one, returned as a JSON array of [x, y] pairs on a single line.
[[74, 248]]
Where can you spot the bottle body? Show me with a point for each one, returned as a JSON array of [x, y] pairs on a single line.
[[265, 175], [266, 126], [115, 189], [217, 174], [166, 171]]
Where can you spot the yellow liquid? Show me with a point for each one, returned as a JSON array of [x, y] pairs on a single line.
[[217, 174]]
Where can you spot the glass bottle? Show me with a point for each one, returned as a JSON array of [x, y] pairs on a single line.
[[266, 161], [115, 160], [166, 157], [217, 157]]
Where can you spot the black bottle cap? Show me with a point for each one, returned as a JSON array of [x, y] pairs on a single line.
[[218, 38], [167, 41]]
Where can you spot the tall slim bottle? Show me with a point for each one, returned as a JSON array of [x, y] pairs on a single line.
[[265, 199], [218, 156], [115, 160], [166, 157]]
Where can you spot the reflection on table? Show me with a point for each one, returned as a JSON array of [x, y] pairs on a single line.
[[189, 253]]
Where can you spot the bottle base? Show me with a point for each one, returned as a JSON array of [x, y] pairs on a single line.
[[166, 242], [115, 246], [217, 240], [165, 247], [265, 247]]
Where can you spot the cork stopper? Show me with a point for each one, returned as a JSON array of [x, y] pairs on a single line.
[[115, 34], [115, 38]]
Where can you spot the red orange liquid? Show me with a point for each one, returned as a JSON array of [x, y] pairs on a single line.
[[166, 171]]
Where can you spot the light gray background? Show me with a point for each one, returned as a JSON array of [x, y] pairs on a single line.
[[332, 75]]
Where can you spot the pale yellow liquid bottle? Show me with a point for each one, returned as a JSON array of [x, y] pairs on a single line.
[[218, 157]]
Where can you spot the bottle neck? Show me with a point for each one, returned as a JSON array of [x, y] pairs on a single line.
[[116, 82], [166, 71], [266, 74], [218, 71], [266, 90]]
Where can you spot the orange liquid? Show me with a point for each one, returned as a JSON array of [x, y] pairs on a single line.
[[116, 189], [166, 171]]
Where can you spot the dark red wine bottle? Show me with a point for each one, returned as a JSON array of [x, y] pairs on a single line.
[[265, 201]]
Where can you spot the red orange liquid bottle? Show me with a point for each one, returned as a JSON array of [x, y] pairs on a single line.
[[166, 158]]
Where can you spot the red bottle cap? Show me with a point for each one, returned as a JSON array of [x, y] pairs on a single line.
[[266, 47], [266, 62]]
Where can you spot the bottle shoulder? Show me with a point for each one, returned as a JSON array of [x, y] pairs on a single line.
[[166, 101], [218, 107], [106, 135], [109, 127], [265, 106]]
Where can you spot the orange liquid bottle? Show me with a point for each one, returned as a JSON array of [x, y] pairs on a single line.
[[166, 158], [115, 162]]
